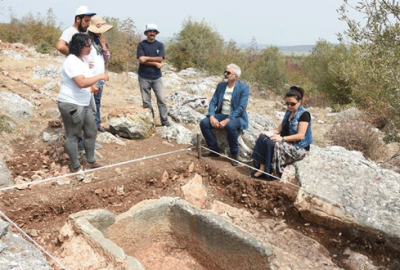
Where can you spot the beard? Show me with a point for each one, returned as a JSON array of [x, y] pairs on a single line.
[[81, 29]]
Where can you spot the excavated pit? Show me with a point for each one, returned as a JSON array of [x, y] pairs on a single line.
[[170, 233]]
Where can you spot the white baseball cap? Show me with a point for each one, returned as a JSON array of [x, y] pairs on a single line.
[[151, 26], [84, 10]]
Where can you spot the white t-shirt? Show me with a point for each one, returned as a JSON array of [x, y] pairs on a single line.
[[226, 104], [70, 92], [68, 33], [98, 61]]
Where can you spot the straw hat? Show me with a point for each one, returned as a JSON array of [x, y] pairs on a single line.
[[99, 26]]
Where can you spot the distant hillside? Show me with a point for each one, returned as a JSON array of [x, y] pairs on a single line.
[[297, 49], [286, 49]]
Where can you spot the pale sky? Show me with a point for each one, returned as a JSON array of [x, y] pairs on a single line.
[[271, 22]]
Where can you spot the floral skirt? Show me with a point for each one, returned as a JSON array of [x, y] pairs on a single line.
[[284, 154]]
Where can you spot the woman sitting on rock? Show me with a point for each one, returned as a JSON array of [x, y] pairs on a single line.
[[289, 142], [74, 101]]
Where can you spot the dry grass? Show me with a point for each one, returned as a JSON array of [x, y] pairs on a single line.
[[358, 135]]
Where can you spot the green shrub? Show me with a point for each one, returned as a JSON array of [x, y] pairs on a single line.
[[326, 69], [123, 40], [197, 45], [269, 69], [39, 31]]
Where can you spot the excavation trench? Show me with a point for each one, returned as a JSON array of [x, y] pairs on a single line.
[[139, 229]]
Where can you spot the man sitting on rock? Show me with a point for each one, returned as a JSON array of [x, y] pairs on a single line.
[[227, 110]]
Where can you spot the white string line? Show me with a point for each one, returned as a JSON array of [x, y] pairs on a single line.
[[95, 169], [342, 206], [31, 240]]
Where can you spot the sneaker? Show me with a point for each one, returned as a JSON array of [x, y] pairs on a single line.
[[97, 146], [234, 160], [166, 124], [101, 129], [75, 170], [209, 154], [93, 165]]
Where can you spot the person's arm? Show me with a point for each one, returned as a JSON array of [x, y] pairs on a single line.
[[84, 82], [211, 109], [105, 48], [62, 47], [151, 61], [301, 132]]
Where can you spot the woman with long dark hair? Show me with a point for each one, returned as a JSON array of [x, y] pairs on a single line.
[[74, 102], [289, 142]]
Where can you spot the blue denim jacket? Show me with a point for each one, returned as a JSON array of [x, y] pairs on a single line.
[[294, 125]]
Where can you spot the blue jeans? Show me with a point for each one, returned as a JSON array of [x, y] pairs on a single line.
[[158, 87], [231, 129], [97, 99], [263, 153]]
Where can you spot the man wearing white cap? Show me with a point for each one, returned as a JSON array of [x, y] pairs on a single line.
[[150, 54], [98, 55], [82, 21]]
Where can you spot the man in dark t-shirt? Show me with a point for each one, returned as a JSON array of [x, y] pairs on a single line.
[[150, 54]]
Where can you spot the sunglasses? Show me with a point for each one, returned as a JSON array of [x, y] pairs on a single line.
[[227, 72], [291, 104]]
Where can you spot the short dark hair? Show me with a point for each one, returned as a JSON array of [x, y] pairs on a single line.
[[296, 92], [78, 41], [79, 16]]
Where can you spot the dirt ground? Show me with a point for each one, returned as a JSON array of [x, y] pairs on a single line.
[[43, 209]]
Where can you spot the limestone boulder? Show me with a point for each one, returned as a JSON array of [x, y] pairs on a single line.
[[18, 253], [257, 123], [15, 106], [131, 124], [244, 150], [185, 114], [340, 188], [5, 175], [176, 132]]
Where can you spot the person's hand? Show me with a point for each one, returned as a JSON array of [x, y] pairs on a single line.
[[214, 122], [159, 65], [105, 78], [103, 42], [276, 138], [142, 59], [268, 133], [223, 123], [96, 92]]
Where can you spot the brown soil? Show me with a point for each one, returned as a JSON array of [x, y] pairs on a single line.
[[45, 207]]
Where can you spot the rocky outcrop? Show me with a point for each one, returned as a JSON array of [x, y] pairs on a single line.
[[341, 188], [176, 132], [17, 253], [185, 114], [131, 124], [15, 106], [5, 175]]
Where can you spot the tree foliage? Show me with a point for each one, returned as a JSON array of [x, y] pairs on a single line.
[[375, 72], [39, 31], [123, 40], [197, 45]]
